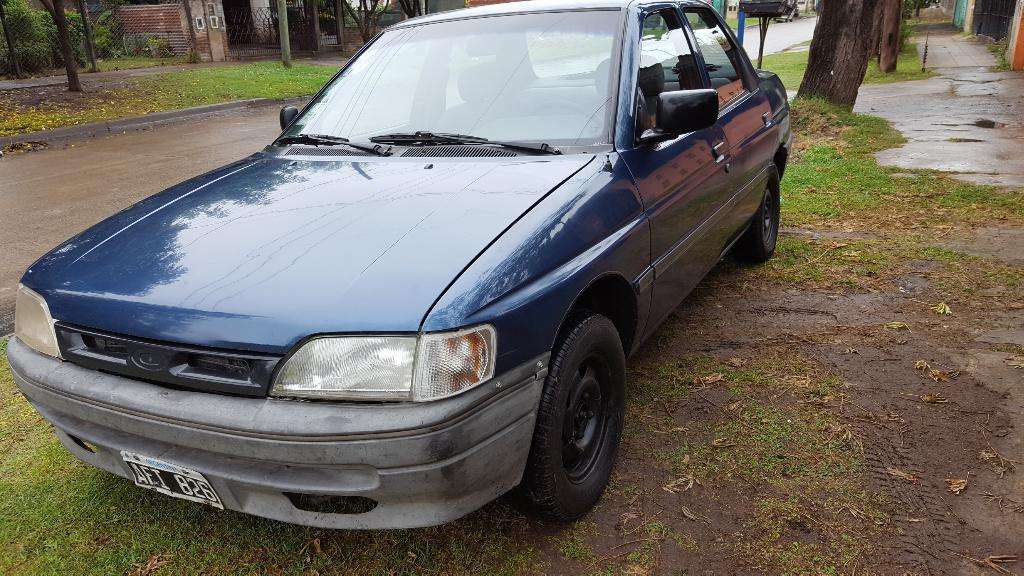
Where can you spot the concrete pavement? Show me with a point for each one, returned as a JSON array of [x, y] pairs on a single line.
[[49, 195], [968, 120]]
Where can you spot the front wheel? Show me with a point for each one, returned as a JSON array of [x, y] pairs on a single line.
[[758, 243], [579, 421]]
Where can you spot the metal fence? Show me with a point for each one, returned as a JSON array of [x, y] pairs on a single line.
[[121, 36], [992, 18]]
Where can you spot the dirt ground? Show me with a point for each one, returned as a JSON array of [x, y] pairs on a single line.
[[914, 428]]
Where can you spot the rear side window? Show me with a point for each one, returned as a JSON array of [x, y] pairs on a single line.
[[721, 56]]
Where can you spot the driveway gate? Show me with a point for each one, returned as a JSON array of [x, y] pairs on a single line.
[[992, 18], [252, 30]]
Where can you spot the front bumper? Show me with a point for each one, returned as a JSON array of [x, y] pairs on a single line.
[[423, 464]]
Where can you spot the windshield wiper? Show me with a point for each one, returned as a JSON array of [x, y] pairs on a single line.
[[325, 140], [404, 139]]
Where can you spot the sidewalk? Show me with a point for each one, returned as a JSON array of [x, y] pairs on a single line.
[[100, 79], [968, 120]]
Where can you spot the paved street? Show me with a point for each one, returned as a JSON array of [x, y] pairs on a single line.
[[52, 194], [781, 35]]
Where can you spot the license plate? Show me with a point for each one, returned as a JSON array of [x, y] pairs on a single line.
[[171, 479]]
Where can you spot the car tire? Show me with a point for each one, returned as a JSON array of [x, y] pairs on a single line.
[[579, 421], [758, 242]]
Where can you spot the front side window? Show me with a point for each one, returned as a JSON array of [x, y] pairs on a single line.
[[666, 64], [543, 77], [721, 57]]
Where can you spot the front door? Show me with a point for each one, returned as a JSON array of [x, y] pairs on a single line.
[[744, 116], [682, 181]]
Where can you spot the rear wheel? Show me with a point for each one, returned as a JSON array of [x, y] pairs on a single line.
[[579, 421], [758, 243]]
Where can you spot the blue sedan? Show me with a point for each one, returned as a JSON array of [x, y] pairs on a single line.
[[422, 294]]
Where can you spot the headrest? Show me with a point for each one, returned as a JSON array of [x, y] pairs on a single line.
[[601, 78], [651, 80]]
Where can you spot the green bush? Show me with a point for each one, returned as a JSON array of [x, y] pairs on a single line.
[[31, 31]]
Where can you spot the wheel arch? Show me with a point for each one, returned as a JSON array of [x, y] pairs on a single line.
[[612, 296]]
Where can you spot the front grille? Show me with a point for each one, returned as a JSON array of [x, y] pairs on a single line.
[[166, 363], [456, 151]]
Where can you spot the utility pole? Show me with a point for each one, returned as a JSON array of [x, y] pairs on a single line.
[[282, 31], [90, 52], [889, 48], [15, 67]]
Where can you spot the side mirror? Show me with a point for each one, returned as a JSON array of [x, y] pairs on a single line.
[[684, 111], [288, 113]]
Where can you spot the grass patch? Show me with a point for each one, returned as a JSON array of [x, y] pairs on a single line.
[[160, 92], [834, 182], [790, 66], [999, 50], [134, 62]]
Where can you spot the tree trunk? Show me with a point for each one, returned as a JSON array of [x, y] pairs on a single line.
[[11, 56], [889, 51], [90, 51], [840, 51], [65, 46], [282, 32]]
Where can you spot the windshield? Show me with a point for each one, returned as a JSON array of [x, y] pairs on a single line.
[[542, 77]]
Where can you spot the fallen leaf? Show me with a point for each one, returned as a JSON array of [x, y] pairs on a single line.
[[709, 379], [154, 563], [679, 485], [939, 375], [850, 350], [921, 365], [897, 325], [689, 514], [901, 474], [1015, 361], [956, 485], [942, 309], [933, 398], [722, 443], [735, 362]]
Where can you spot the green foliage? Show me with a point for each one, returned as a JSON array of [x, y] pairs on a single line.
[[999, 50], [159, 47], [31, 32]]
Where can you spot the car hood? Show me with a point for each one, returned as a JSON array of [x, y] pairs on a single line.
[[267, 251]]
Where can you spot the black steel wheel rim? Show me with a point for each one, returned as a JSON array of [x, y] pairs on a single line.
[[769, 217], [586, 418]]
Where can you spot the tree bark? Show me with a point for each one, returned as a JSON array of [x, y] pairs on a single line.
[[889, 51], [282, 32], [839, 51], [90, 51], [15, 67], [56, 8]]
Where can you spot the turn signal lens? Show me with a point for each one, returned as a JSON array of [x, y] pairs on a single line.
[[33, 324], [453, 362]]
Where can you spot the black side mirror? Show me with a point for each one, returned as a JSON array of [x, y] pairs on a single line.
[[684, 111], [288, 113]]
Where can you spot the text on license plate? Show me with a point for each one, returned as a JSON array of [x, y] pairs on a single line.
[[171, 479]]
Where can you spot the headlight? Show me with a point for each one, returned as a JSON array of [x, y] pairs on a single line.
[[33, 324], [430, 367]]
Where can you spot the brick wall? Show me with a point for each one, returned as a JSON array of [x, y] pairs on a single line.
[[158, 19]]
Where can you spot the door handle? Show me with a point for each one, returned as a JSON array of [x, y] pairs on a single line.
[[717, 151], [767, 118]]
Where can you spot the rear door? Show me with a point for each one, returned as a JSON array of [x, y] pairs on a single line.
[[682, 181], [744, 115]]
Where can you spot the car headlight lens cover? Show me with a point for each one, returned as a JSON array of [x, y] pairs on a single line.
[[33, 324], [428, 367]]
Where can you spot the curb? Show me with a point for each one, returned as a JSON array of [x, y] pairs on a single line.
[[84, 131]]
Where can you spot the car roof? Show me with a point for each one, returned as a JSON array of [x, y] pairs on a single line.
[[532, 6]]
